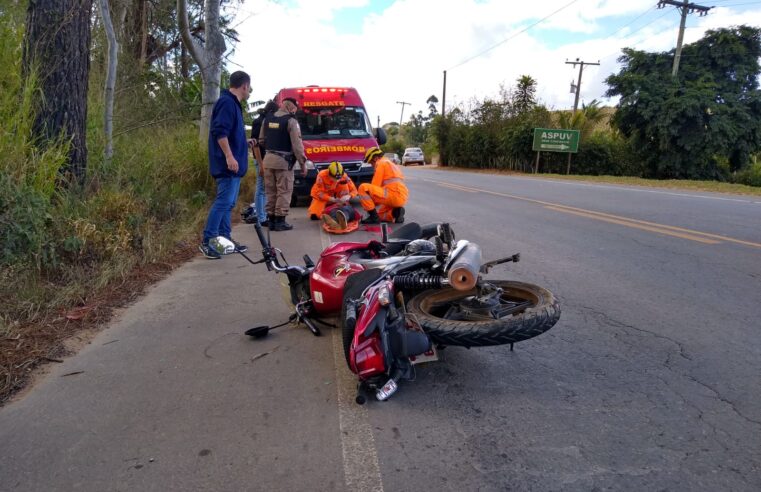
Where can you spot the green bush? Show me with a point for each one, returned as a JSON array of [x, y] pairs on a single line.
[[750, 176], [61, 241]]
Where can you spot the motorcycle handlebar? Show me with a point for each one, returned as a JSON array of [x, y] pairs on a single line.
[[260, 234]]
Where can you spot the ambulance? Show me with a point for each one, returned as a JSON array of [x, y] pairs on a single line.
[[335, 127]]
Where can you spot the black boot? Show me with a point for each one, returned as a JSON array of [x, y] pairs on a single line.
[[398, 214], [281, 224], [372, 217], [269, 222]]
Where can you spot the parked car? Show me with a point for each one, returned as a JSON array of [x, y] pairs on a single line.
[[392, 157], [413, 155]]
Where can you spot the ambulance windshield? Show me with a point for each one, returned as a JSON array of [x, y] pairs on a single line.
[[333, 123]]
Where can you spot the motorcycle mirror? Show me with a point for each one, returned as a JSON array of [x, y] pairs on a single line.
[[258, 331], [222, 245]]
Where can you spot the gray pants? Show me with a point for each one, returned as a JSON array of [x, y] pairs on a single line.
[[278, 186]]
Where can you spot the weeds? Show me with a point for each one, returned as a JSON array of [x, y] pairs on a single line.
[[67, 245]]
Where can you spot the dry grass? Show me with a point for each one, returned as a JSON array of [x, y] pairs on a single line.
[[674, 184]]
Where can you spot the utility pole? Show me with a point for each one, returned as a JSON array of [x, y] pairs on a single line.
[[581, 65], [403, 103], [444, 96], [378, 122], [685, 7]]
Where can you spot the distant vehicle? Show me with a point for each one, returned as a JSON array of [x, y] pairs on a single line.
[[413, 155], [392, 157]]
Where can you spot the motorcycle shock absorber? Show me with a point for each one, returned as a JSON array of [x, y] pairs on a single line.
[[419, 282]]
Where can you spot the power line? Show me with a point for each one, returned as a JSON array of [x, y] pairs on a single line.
[[629, 23], [639, 29], [513, 36], [737, 4]]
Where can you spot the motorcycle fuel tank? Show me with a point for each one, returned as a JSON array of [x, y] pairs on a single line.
[[329, 276]]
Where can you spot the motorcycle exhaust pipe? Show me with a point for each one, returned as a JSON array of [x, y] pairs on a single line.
[[464, 270]]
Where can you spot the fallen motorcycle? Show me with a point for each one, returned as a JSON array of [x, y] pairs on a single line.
[[400, 298]]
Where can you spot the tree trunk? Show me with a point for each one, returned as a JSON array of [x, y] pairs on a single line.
[[184, 63], [57, 48], [113, 51], [208, 57], [143, 30]]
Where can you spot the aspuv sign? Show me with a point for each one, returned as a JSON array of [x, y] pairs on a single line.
[[556, 140]]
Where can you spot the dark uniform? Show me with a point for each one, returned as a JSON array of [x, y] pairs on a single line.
[[281, 136]]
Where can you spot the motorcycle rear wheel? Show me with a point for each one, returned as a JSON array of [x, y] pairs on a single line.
[[434, 310]]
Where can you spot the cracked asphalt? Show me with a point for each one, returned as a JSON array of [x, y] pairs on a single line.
[[650, 381]]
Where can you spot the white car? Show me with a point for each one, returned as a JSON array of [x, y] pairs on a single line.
[[392, 157], [413, 155]]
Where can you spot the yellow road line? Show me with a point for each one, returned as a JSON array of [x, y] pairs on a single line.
[[458, 188], [627, 223], [690, 232]]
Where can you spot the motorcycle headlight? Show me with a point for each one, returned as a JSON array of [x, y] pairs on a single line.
[[310, 164]]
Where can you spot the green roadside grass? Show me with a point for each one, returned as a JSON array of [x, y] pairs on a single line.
[[673, 184]]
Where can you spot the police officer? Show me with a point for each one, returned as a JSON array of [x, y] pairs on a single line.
[[281, 136], [257, 208]]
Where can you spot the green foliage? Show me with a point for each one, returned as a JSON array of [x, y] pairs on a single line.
[[394, 144], [702, 124], [58, 243], [524, 97], [32, 167], [750, 176]]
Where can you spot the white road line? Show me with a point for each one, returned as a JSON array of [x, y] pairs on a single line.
[[360, 458]]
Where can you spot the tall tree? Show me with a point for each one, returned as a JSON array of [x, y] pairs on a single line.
[[57, 49], [704, 122], [432, 101], [113, 50], [524, 96], [208, 56]]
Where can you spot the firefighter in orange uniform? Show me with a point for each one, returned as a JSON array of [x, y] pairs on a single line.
[[387, 190], [333, 186]]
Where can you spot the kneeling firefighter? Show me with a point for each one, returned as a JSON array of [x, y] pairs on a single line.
[[330, 197], [387, 190]]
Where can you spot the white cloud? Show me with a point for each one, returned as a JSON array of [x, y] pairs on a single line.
[[400, 53]]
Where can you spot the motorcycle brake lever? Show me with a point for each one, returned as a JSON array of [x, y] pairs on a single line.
[[491, 264]]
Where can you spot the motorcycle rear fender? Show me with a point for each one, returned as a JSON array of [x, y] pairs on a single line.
[[368, 353]]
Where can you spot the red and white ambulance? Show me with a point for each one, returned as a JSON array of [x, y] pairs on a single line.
[[335, 127]]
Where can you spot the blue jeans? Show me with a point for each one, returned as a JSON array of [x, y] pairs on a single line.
[[260, 198], [218, 223]]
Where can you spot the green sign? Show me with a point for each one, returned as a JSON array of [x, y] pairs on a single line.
[[549, 140]]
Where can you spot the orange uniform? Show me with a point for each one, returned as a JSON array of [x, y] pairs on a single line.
[[387, 190], [327, 187]]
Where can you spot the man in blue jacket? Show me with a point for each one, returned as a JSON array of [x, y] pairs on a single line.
[[228, 160]]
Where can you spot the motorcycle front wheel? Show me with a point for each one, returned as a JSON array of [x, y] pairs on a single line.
[[463, 318]]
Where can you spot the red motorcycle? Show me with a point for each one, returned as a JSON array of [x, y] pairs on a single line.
[[398, 298]]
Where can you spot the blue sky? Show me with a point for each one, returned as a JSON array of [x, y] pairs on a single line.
[[393, 50]]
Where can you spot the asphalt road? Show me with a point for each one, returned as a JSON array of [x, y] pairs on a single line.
[[650, 381]]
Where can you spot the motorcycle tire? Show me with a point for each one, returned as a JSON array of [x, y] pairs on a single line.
[[533, 321]]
